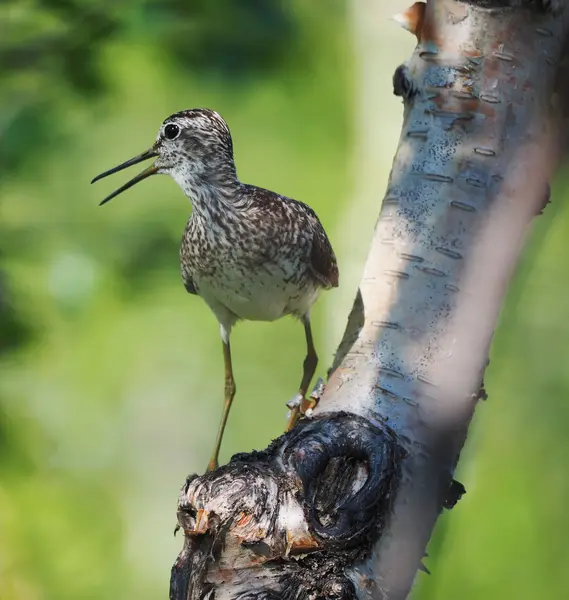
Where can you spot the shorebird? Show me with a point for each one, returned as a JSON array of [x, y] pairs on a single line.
[[250, 253]]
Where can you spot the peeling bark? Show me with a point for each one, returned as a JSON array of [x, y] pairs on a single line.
[[343, 505]]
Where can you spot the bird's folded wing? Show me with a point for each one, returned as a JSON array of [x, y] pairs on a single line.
[[322, 259]]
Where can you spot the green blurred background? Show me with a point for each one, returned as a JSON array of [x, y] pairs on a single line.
[[111, 374]]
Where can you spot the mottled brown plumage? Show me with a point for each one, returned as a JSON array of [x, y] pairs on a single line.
[[250, 253]]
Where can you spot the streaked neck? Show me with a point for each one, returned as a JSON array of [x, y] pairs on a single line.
[[211, 194]]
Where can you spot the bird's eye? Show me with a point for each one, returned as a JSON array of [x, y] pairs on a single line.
[[171, 131]]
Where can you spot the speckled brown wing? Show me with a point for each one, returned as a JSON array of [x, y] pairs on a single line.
[[323, 260], [322, 257], [298, 215]]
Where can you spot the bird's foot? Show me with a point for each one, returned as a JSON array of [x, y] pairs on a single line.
[[212, 464], [295, 401], [300, 406], [314, 398], [294, 405]]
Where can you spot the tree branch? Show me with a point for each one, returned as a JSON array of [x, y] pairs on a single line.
[[344, 505]]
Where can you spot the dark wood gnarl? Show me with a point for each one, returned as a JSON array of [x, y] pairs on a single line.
[[288, 521]]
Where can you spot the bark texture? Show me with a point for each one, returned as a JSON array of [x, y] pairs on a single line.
[[343, 505]]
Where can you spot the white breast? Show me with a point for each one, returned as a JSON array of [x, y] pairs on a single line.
[[265, 294]]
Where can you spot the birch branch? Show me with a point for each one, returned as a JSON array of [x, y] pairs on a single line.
[[344, 505]]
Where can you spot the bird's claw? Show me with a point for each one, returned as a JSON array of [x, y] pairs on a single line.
[[317, 392], [300, 406], [295, 402]]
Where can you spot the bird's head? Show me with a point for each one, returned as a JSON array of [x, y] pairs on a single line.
[[194, 147]]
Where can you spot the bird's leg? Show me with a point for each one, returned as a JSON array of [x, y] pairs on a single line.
[[308, 370], [229, 395]]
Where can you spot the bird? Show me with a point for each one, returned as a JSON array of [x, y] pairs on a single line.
[[249, 253]]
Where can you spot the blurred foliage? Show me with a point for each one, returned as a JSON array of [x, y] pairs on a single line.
[[225, 38], [60, 40], [14, 331], [47, 44]]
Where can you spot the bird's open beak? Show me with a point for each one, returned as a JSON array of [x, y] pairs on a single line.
[[151, 170]]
